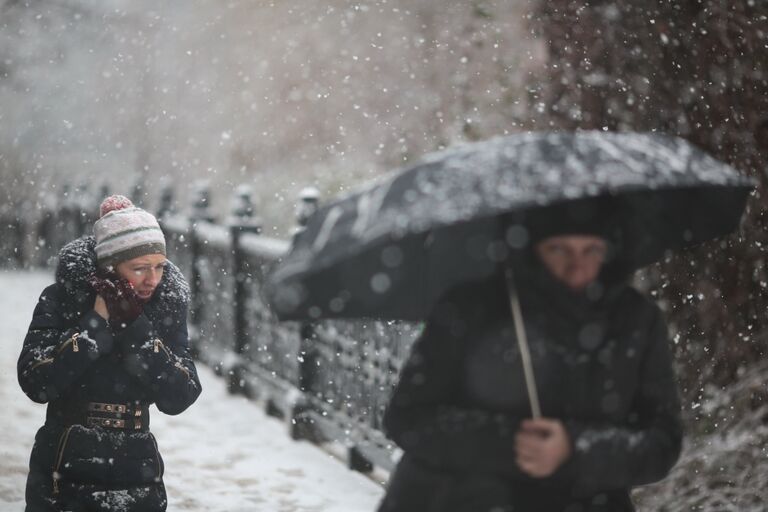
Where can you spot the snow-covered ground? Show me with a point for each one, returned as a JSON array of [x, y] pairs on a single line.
[[223, 454]]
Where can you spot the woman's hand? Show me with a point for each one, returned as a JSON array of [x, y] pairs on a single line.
[[542, 445], [101, 307], [122, 303]]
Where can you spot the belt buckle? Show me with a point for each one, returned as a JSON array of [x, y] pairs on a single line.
[[111, 415], [95, 421], [110, 408]]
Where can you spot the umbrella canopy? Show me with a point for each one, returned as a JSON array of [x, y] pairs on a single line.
[[390, 249]]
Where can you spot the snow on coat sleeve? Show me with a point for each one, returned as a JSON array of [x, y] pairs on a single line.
[[424, 419], [164, 366], [614, 457], [53, 355]]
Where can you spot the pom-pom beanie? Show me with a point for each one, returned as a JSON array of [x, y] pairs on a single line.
[[124, 232]]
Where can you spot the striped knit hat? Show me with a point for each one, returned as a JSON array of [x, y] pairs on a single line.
[[125, 232]]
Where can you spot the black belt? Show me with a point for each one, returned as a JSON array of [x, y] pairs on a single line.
[[129, 416]]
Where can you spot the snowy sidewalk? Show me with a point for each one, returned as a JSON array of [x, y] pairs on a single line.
[[222, 454]]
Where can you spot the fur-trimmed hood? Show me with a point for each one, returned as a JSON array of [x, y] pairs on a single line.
[[77, 262]]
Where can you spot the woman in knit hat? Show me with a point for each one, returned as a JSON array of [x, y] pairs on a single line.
[[108, 339]]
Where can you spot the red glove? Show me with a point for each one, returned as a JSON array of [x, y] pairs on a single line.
[[123, 304]]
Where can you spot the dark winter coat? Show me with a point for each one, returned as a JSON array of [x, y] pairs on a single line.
[[147, 362], [603, 367]]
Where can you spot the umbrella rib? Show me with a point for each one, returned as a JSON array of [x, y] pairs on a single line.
[[368, 205], [325, 230]]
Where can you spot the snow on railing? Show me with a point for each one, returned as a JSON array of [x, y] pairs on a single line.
[[328, 380]]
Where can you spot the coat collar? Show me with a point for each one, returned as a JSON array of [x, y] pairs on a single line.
[[543, 291], [77, 261]]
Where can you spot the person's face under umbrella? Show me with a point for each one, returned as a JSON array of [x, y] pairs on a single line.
[[575, 260]]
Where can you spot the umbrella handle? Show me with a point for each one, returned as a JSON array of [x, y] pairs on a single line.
[[522, 342]]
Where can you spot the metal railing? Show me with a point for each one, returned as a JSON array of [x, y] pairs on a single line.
[[329, 380]]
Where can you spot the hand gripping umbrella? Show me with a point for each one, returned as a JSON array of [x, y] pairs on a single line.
[[390, 249]]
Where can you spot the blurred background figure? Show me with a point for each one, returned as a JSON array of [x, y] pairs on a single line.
[[601, 357]]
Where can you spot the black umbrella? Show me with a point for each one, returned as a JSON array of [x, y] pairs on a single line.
[[392, 248]]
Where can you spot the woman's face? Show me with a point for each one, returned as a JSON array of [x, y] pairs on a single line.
[[575, 260], [144, 273]]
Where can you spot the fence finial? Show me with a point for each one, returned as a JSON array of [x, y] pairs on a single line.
[[201, 202], [166, 201], [307, 206], [243, 213]]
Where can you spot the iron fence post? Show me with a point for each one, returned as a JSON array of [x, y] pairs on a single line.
[[165, 208], [242, 220], [201, 212], [302, 424]]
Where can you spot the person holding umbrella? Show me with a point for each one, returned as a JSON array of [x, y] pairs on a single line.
[[599, 352], [542, 380]]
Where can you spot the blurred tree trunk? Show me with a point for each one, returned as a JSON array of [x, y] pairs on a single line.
[[697, 69]]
